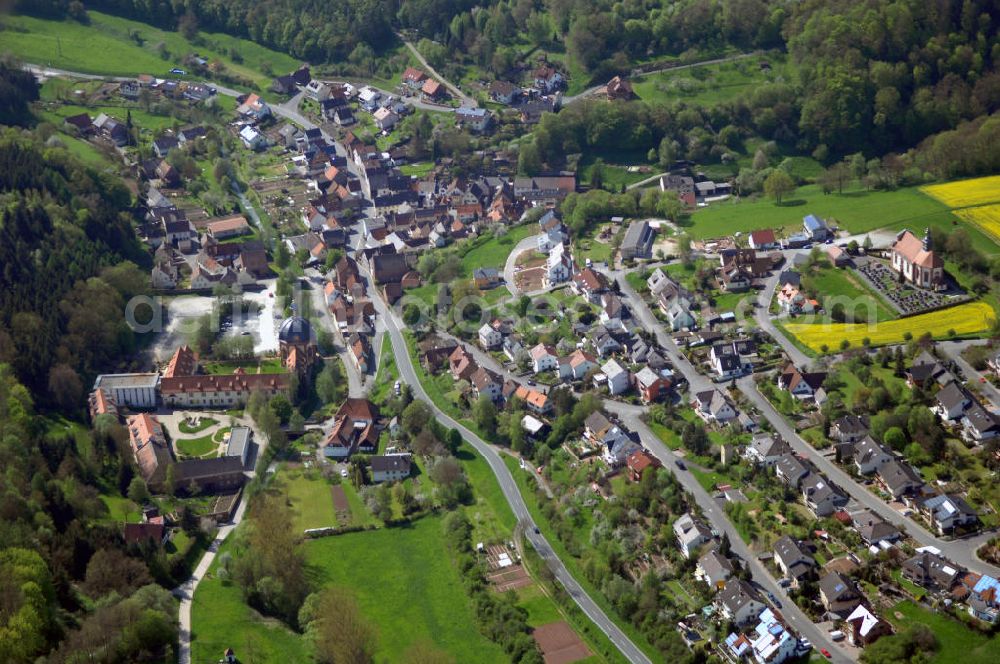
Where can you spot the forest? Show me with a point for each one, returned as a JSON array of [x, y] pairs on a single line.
[[68, 257]]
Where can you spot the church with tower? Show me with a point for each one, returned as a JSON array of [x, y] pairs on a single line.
[[297, 347], [916, 261]]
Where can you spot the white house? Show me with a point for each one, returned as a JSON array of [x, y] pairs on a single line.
[[713, 406], [617, 375], [489, 337], [252, 138], [559, 266], [739, 602], [544, 358], [390, 468], [577, 365], [690, 533], [765, 449], [869, 455], [385, 119]]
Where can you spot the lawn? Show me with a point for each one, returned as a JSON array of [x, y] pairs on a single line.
[[857, 211], [965, 319], [493, 251], [405, 584], [713, 84], [267, 366], [121, 509], [147, 121], [311, 500], [956, 642], [419, 169], [104, 47], [850, 290], [197, 447], [203, 423], [220, 619]]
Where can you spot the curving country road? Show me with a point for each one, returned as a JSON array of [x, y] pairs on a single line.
[[465, 99], [715, 61], [509, 488]]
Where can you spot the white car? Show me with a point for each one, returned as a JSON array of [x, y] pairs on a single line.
[[343, 472]]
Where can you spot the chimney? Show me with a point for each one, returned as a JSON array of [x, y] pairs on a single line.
[[927, 239]]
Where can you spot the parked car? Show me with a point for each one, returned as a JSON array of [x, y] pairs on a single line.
[[826, 653], [178, 71], [680, 464]]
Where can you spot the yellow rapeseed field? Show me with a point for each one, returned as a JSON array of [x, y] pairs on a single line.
[[964, 193], [986, 217], [967, 318]]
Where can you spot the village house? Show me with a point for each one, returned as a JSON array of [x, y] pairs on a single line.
[[820, 496], [547, 79], [952, 401], [713, 407], [865, 627], [489, 338], [355, 430], [931, 571], [503, 92], [638, 462], [714, 569], [617, 447], [838, 594], [802, 385], [792, 469], [739, 602], [618, 378], [254, 107], [537, 402], [619, 88], [577, 365], [869, 455], [691, 534], [815, 228], [794, 560], [543, 358], [590, 284], [947, 512], [769, 642], [487, 384], [682, 185], [413, 78], [766, 449], [652, 386], [477, 120], [849, 428], [390, 468], [763, 240]]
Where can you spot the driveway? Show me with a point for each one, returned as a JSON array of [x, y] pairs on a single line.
[[510, 266]]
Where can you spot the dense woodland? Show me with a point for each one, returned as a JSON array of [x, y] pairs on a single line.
[[65, 244]]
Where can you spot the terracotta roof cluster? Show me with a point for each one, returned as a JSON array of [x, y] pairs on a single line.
[[223, 383]]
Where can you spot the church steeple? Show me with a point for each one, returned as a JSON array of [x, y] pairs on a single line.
[[927, 239]]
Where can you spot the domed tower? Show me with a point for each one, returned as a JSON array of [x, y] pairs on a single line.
[[297, 345]]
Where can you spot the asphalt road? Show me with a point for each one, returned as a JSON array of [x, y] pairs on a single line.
[[961, 551], [797, 619], [510, 491], [697, 381]]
